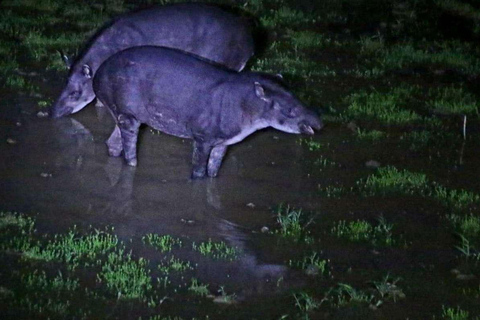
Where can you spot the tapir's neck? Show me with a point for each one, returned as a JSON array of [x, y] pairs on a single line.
[[246, 130]]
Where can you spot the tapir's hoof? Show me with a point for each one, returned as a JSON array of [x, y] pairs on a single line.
[[132, 162]]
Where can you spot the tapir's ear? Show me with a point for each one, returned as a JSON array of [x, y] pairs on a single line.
[[86, 71], [260, 92]]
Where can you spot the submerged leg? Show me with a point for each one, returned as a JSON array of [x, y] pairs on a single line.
[[215, 160], [129, 126], [114, 143], [201, 151]]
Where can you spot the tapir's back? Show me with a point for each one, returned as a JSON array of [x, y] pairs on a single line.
[[204, 30], [159, 84]]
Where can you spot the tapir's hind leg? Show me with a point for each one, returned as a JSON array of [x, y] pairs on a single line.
[[201, 151], [129, 126], [114, 143], [215, 160]]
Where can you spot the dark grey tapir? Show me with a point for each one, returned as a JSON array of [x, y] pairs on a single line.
[[187, 97], [201, 29]]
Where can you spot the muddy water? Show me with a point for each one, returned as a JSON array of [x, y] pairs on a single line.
[[60, 171]]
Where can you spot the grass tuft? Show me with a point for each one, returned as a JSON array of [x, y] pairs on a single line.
[[293, 224], [163, 243], [217, 250], [126, 277]]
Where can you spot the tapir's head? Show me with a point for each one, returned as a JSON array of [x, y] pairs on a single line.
[[283, 111], [77, 94]]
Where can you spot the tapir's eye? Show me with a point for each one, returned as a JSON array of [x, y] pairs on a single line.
[[289, 112], [74, 95]]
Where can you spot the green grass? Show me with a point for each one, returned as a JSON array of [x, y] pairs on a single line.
[[312, 264], [388, 290], [217, 250], [455, 314], [431, 55], [364, 231], [39, 295], [39, 281], [16, 220], [126, 277], [452, 100], [311, 144], [467, 249], [370, 135], [224, 297], [281, 58], [334, 191], [458, 199], [390, 108], [306, 303], [459, 8], [285, 16], [391, 180], [174, 264], [301, 40], [198, 289], [346, 294], [73, 248], [293, 224], [164, 243], [468, 225]]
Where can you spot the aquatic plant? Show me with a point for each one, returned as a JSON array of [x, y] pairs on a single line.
[[164, 243], [305, 302], [72, 248], [217, 250], [16, 220], [312, 264], [198, 289], [293, 223], [174, 264], [346, 294], [125, 277], [361, 230], [390, 179], [388, 289]]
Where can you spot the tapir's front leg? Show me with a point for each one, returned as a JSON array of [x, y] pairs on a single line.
[[215, 160], [201, 151], [129, 126]]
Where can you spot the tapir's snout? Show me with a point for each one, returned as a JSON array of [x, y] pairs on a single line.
[[56, 111], [311, 121]]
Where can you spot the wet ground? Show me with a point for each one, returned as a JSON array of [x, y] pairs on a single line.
[[59, 173]]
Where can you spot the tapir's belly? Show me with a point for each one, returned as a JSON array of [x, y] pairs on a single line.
[[168, 122]]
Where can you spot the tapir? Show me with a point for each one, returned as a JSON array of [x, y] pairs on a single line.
[[188, 97], [204, 30]]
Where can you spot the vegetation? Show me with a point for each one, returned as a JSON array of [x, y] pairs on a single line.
[[398, 84], [361, 230], [216, 250], [163, 243], [293, 224]]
